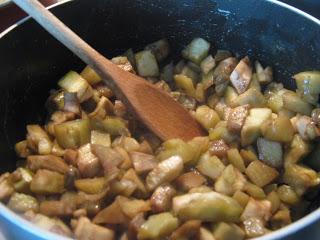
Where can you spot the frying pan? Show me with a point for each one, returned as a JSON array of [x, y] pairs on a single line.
[[31, 62]]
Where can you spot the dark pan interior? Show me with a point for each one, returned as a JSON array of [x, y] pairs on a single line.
[[31, 61]]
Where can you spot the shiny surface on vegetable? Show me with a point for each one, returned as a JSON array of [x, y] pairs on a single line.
[[210, 206]]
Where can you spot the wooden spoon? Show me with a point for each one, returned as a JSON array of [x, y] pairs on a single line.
[[154, 107]]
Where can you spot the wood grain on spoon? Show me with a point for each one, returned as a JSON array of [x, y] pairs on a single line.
[[154, 107]]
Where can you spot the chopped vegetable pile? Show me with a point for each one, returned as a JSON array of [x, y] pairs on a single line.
[[94, 172]]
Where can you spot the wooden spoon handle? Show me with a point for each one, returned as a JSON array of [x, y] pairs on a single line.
[[155, 108], [66, 36]]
